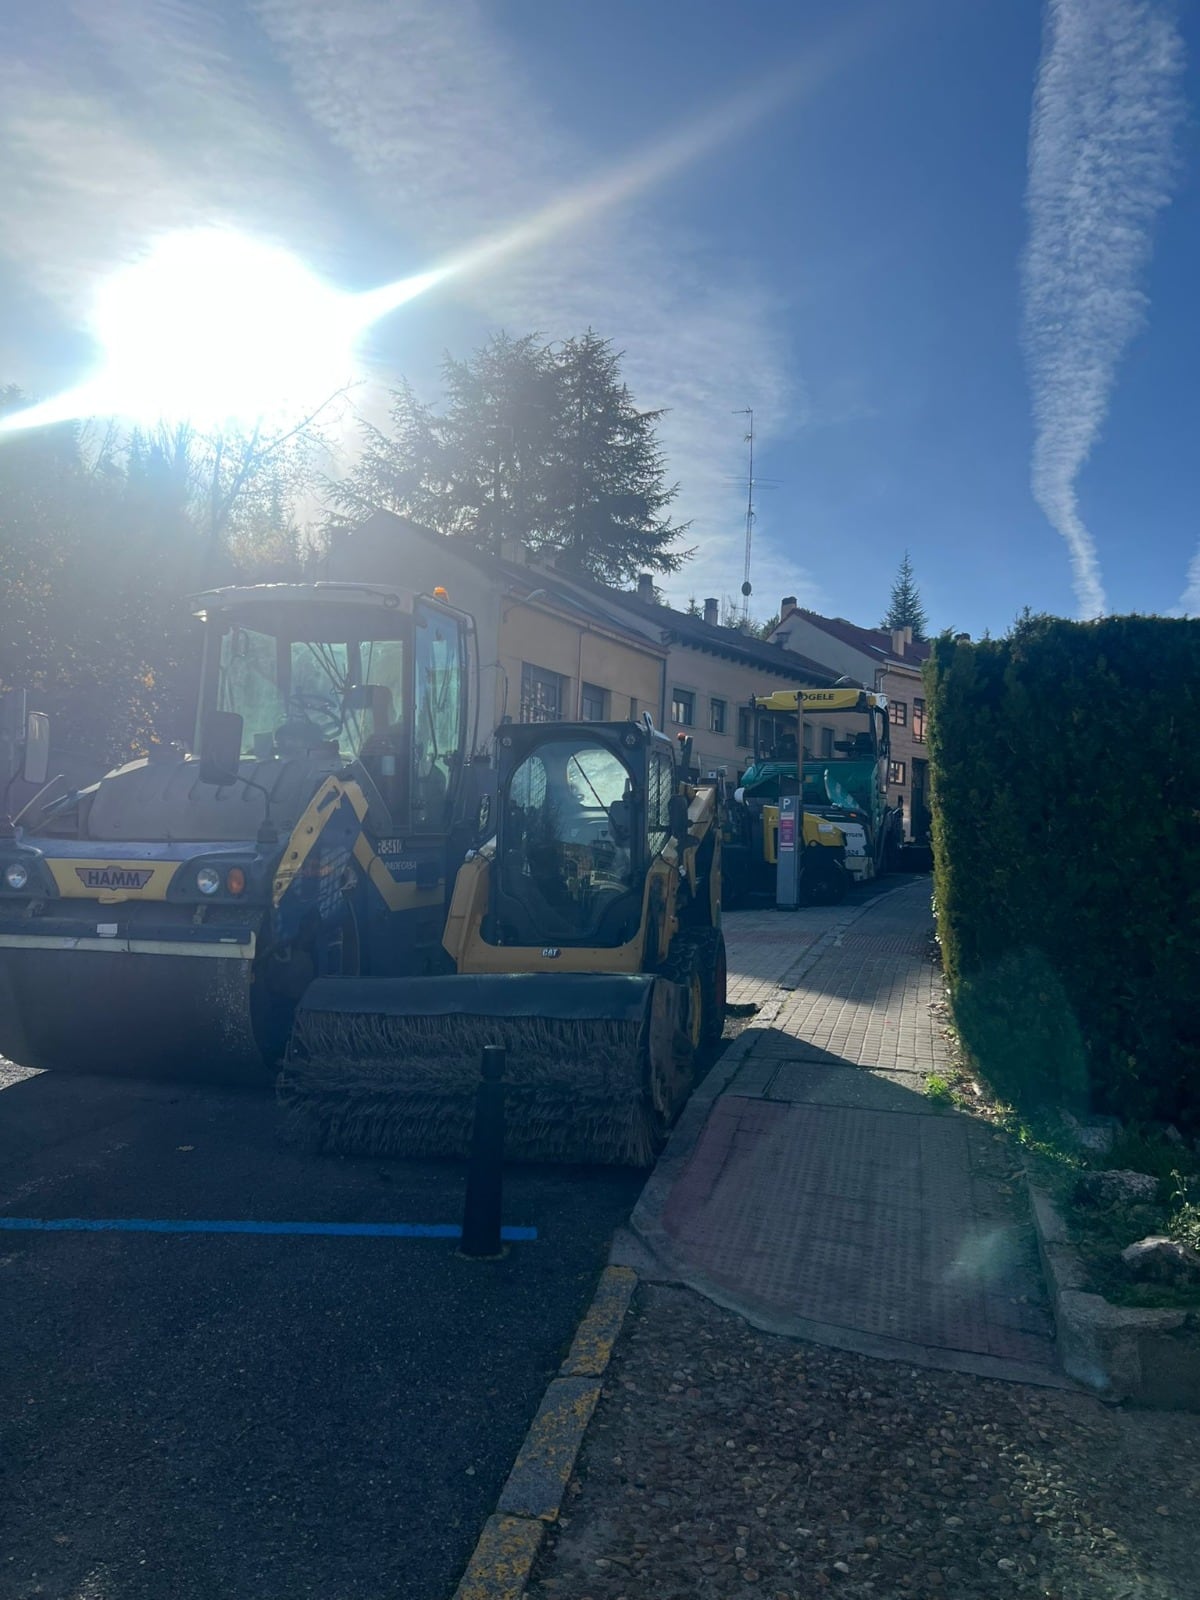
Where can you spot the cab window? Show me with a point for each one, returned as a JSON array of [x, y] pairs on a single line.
[[439, 728]]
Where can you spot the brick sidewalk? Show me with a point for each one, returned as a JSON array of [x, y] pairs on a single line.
[[765, 946], [825, 1195]]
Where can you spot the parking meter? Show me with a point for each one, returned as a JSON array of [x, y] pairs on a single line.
[[787, 862]]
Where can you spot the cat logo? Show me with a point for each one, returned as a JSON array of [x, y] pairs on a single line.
[[551, 953], [114, 877]]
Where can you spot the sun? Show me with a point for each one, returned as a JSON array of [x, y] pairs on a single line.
[[220, 330], [215, 329]]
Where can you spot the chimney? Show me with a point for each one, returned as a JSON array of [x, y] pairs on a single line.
[[788, 603], [711, 611], [645, 590], [514, 551], [899, 641]]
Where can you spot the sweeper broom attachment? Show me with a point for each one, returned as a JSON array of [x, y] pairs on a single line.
[[390, 1066]]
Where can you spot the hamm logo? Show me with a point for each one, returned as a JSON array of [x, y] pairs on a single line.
[[114, 877]]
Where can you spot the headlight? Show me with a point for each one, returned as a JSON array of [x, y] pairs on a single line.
[[16, 875], [208, 880]]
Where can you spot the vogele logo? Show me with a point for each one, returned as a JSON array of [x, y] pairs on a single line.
[[114, 877]]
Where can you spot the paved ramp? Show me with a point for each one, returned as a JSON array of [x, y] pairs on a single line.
[[823, 1193]]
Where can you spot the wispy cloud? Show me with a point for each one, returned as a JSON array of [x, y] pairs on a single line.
[[421, 124], [455, 140], [1106, 108]]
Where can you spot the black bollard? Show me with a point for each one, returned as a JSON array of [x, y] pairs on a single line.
[[485, 1174]]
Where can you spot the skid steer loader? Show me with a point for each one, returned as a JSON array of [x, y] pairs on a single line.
[[165, 920], [586, 938]]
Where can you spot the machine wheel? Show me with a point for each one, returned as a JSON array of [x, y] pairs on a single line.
[[823, 882], [697, 962]]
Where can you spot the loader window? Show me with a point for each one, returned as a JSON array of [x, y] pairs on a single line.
[[658, 802], [570, 868]]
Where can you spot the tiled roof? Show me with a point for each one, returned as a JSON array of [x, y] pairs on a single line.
[[713, 637], [619, 608], [871, 641], [515, 577]]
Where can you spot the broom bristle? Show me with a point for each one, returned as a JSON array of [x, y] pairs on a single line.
[[405, 1086]]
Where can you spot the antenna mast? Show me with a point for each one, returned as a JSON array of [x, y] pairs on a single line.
[[747, 589]]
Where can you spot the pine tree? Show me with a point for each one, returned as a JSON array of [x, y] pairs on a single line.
[[610, 490], [535, 442], [906, 610]]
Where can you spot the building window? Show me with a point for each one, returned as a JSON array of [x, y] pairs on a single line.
[[541, 694], [716, 716], [826, 742], [593, 703], [895, 772], [919, 721], [683, 708], [898, 713], [745, 727]]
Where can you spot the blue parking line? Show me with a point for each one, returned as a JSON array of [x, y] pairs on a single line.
[[341, 1230]]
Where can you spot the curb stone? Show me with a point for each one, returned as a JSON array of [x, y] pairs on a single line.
[[503, 1558], [1118, 1352]]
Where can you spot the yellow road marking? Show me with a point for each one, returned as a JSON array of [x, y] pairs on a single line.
[[592, 1347], [503, 1559]]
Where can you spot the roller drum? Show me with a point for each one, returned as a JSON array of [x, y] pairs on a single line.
[[135, 1014]]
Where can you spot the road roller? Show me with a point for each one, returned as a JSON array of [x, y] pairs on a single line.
[[166, 920]]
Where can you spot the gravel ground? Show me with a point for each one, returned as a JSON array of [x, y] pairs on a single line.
[[727, 1462]]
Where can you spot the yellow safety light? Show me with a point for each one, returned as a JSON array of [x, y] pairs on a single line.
[[440, 594]]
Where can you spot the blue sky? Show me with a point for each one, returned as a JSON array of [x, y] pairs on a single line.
[[849, 264]]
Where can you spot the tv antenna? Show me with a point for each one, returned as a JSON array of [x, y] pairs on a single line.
[[747, 587]]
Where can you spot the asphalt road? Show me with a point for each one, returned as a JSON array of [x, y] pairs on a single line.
[[202, 1415]]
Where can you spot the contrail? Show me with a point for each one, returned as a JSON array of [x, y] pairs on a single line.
[[1106, 108], [1189, 600]]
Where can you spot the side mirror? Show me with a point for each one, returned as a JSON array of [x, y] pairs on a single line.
[[221, 747], [36, 763], [677, 817]]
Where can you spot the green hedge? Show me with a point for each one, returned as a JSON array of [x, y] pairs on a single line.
[[1066, 773]]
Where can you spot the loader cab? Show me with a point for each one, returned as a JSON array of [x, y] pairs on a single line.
[[337, 675], [583, 810]]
